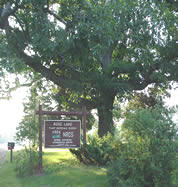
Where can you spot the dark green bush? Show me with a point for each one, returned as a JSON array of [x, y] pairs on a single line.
[[26, 162], [149, 154], [98, 151]]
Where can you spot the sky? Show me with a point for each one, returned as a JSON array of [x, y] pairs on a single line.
[[172, 101], [11, 111]]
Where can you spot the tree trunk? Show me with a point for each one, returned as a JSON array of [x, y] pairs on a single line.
[[105, 114]]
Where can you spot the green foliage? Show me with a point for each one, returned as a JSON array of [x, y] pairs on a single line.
[[27, 130], [175, 172], [149, 154], [99, 151], [26, 161], [94, 50]]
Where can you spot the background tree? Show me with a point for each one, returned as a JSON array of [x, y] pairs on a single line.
[[148, 98], [94, 50], [28, 128]]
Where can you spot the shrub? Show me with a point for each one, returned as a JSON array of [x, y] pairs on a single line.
[[26, 162], [98, 151], [149, 154]]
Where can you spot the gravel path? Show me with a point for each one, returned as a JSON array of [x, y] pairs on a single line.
[[3, 154]]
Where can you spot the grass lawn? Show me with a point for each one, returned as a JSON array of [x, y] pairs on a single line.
[[61, 169]]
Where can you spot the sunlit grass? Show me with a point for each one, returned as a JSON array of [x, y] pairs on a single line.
[[66, 167], [56, 156]]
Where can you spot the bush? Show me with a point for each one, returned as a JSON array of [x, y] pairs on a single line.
[[149, 154], [26, 162], [98, 151]]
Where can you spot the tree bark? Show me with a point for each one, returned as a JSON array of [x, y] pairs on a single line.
[[105, 114]]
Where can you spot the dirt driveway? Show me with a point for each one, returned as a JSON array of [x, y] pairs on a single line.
[[3, 154]]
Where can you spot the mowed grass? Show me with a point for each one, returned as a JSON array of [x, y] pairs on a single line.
[[60, 169]]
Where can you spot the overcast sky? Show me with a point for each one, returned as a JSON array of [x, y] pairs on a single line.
[[11, 112]]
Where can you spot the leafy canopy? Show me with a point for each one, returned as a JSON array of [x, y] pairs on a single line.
[[93, 50]]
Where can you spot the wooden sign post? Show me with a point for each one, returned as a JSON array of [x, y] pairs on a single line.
[[73, 127], [40, 139]]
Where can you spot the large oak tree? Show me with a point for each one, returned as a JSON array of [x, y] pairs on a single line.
[[97, 49]]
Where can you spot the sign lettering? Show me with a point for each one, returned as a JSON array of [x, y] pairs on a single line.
[[62, 133]]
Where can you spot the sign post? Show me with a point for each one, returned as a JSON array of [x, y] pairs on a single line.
[[84, 116], [40, 139], [11, 147]]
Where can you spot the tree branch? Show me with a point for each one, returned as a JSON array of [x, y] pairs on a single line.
[[5, 12], [35, 64]]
